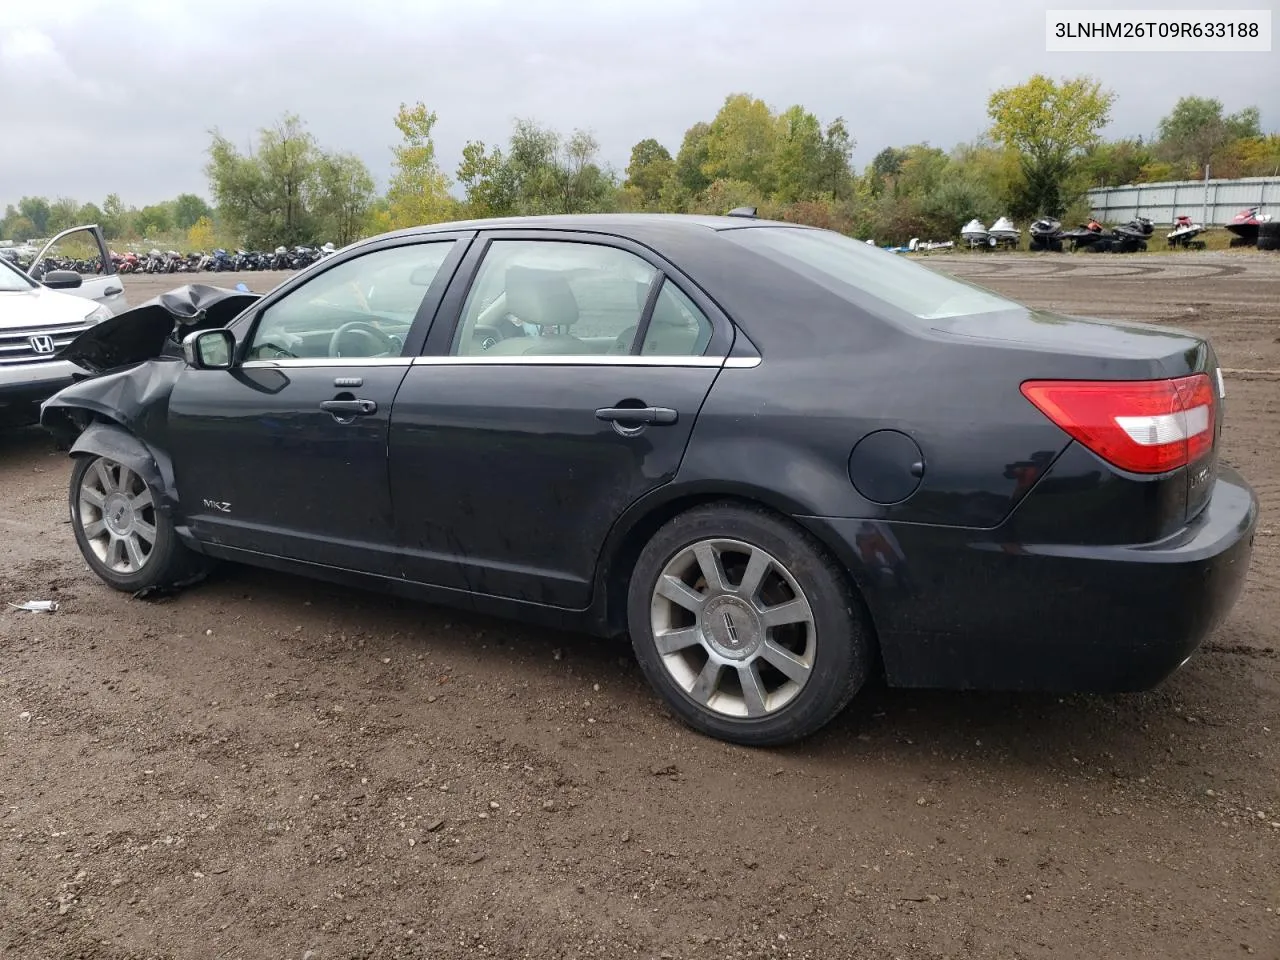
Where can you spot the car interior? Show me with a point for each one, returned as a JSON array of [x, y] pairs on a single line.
[[577, 315], [359, 317]]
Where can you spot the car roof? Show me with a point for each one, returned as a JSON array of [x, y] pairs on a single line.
[[615, 223]]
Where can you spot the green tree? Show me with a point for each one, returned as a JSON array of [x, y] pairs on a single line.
[[1050, 124], [187, 209], [741, 143], [63, 213], [90, 213], [531, 159], [834, 173], [1116, 163], [692, 159], [583, 185], [797, 156], [725, 195], [1196, 129], [486, 179], [419, 191], [541, 172], [153, 220], [36, 209], [650, 168], [16, 226], [344, 197], [263, 194], [114, 217], [884, 169]]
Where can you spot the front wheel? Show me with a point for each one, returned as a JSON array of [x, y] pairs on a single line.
[[745, 626], [123, 535]]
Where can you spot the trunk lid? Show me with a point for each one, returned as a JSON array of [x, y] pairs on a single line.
[[1134, 351], [1053, 346]]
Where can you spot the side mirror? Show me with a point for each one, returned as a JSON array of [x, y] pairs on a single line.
[[209, 349], [62, 279]]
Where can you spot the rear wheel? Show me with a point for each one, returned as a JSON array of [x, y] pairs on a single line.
[[124, 537], [745, 626]]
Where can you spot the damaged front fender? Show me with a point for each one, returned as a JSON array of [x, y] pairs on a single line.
[[134, 359], [116, 443], [136, 398]]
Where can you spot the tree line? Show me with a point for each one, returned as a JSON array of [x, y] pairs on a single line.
[[1042, 151]]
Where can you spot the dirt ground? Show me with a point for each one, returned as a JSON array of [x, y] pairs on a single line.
[[266, 767]]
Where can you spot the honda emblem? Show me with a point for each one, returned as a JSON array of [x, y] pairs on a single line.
[[42, 343]]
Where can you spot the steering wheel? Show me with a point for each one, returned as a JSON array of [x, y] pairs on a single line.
[[486, 336], [384, 342]]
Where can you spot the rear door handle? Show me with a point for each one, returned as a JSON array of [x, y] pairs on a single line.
[[659, 416], [349, 408]]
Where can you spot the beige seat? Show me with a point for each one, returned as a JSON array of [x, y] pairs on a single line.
[[544, 299]]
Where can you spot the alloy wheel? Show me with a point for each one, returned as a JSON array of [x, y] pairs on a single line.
[[117, 516], [733, 628]]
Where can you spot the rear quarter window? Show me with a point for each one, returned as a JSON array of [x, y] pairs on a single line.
[[867, 275]]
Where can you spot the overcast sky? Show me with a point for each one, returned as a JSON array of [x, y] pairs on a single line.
[[120, 96]]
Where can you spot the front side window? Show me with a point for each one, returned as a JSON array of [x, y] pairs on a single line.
[[554, 298], [360, 308], [856, 271]]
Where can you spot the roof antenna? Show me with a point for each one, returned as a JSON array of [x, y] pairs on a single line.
[[743, 212]]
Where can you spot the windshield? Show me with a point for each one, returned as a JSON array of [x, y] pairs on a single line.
[[858, 271], [12, 279]]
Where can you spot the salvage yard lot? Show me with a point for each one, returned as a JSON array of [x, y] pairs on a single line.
[[264, 766]]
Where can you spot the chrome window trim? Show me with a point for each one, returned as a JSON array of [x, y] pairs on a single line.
[[566, 360], [328, 362], [586, 360]]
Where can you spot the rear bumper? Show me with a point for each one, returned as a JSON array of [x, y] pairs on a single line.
[[964, 609], [23, 387]]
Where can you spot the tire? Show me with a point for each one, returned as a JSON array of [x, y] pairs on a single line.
[[822, 637], [1269, 236], [104, 544]]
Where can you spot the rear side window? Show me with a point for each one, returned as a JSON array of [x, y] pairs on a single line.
[[857, 271], [554, 297], [677, 328]]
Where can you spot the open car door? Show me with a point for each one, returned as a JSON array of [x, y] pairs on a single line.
[[81, 250]]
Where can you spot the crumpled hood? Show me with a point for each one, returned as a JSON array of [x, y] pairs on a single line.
[[155, 328], [42, 307]]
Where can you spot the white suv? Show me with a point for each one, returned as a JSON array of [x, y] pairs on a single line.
[[37, 319]]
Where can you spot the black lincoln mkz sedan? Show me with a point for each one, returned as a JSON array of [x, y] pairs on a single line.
[[778, 458]]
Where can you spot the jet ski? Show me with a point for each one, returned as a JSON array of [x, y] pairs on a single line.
[[1184, 231], [1139, 228], [1133, 235], [1245, 223], [974, 233], [1046, 234], [1086, 235], [1003, 233]]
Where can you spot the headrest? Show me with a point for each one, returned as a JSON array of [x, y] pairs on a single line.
[[541, 297]]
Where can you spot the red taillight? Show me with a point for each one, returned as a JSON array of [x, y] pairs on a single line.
[[1143, 426]]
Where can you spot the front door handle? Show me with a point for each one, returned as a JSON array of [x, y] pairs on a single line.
[[659, 416], [349, 408]]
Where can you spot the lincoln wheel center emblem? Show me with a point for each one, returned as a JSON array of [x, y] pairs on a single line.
[[731, 629]]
